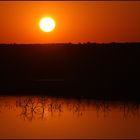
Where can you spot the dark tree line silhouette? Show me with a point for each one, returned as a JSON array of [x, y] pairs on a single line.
[[85, 70]]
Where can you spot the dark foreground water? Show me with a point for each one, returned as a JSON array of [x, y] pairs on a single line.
[[47, 117]]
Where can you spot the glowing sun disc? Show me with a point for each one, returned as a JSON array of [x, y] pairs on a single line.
[[47, 24]]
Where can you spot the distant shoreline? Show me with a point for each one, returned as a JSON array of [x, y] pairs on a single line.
[[69, 43]]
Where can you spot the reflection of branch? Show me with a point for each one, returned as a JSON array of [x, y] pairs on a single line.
[[135, 109], [130, 110], [4, 104], [103, 106], [41, 107], [30, 107], [38, 107], [54, 107], [77, 109]]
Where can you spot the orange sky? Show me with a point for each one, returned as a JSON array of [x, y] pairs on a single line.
[[76, 21]]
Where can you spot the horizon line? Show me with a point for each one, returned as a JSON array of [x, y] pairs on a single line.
[[125, 42]]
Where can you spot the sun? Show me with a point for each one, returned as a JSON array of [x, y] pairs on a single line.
[[47, 24]]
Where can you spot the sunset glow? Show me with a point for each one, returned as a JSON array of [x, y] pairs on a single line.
[[70, 69], [47, 24], [83, 21]]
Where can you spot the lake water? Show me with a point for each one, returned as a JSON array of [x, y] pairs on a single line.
[[47, 117]]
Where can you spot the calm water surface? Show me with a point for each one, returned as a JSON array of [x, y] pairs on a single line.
[[46, 117]]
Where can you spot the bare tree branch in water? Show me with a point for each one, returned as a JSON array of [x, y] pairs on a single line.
[[4, 104], [30, 108], [130, 110], [42, 101], [55, 107], [36, 108], [77, 108], [104, 107], [135, 109], [41, 107]]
